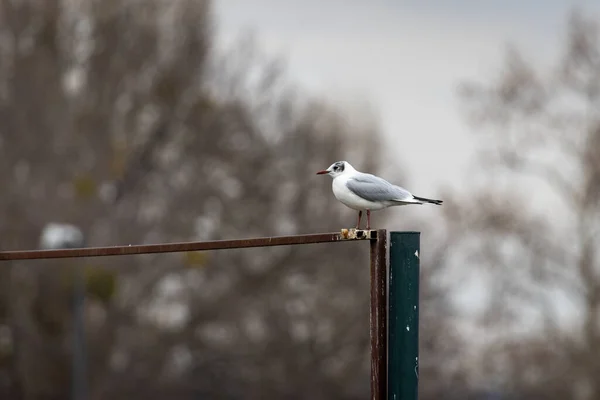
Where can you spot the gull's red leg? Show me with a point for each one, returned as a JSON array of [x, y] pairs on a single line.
[[368, 219], [358, 223]]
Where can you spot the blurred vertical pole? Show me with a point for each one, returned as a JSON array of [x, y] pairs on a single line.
[[378, 315], [79, 371], [65, 236], [403, 356]]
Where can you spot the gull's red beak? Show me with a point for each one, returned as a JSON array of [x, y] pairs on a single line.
[[323, 172]]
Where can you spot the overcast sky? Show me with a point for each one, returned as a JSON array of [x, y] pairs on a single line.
[[406, 58]]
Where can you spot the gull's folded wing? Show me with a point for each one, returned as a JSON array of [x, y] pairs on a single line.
[[373, 188]]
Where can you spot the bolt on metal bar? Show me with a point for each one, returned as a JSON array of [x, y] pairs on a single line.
[[344, 236], [378, 316]]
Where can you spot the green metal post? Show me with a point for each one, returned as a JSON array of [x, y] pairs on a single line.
[[403, 334]]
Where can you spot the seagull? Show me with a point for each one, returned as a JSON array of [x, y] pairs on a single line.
[[366, 192]]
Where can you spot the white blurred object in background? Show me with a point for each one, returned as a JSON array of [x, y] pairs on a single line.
[[61, 236]]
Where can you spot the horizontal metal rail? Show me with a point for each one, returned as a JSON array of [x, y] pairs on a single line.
[[378, 323], [344, 236]]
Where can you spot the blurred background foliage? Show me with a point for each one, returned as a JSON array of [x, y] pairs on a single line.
[[122, 118]]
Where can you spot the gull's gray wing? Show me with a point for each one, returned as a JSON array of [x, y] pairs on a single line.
[[374, 188]]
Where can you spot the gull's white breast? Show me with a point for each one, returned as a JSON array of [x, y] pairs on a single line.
[[348, 198]]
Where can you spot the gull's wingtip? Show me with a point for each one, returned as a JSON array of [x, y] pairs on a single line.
[[430, 201]]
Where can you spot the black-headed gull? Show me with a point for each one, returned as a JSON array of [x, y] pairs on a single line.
[[366, 192]]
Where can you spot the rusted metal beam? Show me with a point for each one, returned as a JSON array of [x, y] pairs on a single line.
[[378, 316], [344, 236]]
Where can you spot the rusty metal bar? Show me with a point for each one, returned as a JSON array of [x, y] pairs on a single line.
[[344, 236], [378, 316]]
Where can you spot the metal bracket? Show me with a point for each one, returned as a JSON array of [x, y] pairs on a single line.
[[358, 234]]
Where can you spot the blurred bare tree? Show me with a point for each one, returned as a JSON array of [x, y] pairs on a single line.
[[120, 117], [542, 136]]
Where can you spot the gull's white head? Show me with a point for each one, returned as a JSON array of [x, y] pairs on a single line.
[[337, 168]]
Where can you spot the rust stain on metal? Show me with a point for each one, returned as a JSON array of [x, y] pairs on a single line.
[[358, 234], [378, 317], [176, 247]]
